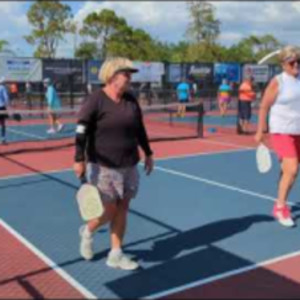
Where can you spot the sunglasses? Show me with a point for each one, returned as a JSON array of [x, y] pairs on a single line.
[[293, 62]]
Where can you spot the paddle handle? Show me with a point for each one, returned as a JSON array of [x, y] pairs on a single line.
[[83, 179]]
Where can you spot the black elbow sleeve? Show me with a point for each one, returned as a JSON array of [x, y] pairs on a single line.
[[80, 143]]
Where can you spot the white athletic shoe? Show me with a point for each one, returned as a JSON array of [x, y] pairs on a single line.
[[60, 127], [121, 261], [86, 244], [283, 215], [51, 131]]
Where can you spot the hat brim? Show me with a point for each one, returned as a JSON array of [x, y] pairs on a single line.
[[130, 70], [47, 80]]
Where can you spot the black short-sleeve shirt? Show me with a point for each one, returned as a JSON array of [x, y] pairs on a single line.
[[114, 130]]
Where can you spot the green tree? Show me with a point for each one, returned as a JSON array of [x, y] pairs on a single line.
[[178, 52], [253, 48], [203, 29], [87, 50], [3, 44], [50, 21], [5, 49], [100, 26], [136, 44], [268, 43], [114, 37]]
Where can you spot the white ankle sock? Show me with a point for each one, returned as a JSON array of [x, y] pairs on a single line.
[[115, 252], [87, 232]]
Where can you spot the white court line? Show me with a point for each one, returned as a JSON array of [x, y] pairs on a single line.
[[234, 145], [156, 159], [80, 288], [26, 134], [223, 276], [161, 135], [227, 144], [67, 122], [201, 154], [219, 184], [35, 174]]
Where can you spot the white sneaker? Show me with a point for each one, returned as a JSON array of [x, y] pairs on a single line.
[[51, 131], [86, 244], [60, 127], [283, 215], [121, 261], [286, 222]]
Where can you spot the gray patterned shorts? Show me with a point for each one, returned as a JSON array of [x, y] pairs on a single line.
[[114, 184]]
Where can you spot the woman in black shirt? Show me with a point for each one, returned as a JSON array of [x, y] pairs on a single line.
[[109, 131]]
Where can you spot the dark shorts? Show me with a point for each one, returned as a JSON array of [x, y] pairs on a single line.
[[114, 184], [14, 95], [183, 100], [245, 110], [3, 116]]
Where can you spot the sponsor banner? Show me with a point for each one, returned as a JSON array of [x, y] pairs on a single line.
[[93, 71], [200, 72], [21, 69], [275, 70], [174, 73], [62, 70], [230, 71], [260, 73], [148, 71]]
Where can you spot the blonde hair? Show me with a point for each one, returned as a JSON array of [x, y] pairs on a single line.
[[289, 52], [111, 66]]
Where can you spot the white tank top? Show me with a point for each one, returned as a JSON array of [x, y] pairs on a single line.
[[285, 112]]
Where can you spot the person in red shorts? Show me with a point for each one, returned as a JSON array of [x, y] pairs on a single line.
[[281, 101]]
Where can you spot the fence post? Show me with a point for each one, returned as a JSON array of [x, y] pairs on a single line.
[[200, 129]]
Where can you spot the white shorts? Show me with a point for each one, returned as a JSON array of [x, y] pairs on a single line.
[[114, 184]]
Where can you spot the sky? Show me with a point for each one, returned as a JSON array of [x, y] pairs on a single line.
[[166, 21]]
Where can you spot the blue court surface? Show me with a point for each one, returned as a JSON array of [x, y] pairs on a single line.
[[194, 218], [37, 132], [24, 132], [229, 120]]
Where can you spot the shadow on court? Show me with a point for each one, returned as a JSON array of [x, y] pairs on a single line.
[[200, 265], [203, 236], [205, 261]]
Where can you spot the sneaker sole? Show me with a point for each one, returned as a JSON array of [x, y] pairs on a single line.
[[287, 225], [86, 257], [284, 224], [118, 267]]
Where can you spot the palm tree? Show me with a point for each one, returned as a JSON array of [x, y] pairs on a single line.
[[4, 50], [3, 44]]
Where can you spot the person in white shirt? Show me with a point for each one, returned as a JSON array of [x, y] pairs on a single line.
[[281, 101], [4, 102]]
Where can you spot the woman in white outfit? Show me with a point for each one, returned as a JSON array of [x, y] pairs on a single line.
[[281, 101]]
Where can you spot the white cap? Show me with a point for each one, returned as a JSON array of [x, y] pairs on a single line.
[[47, 80]]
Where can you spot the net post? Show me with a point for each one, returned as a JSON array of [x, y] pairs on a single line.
[[200, 123], [71, 85], [41, 92], [170, 117], [238, 125], [42, 97]]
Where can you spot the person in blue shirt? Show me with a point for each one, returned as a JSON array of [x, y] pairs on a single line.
[[54, 105], [4, 103], [183, 95], [224, 96]]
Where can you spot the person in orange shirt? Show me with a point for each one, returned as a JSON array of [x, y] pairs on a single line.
[[13, 91], [246, 96]]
